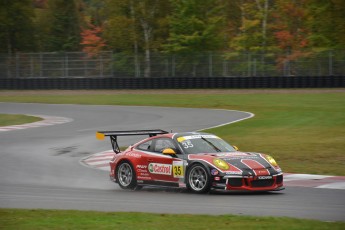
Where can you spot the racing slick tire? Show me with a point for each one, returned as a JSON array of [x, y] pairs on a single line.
[[125, 176], [198, 179]]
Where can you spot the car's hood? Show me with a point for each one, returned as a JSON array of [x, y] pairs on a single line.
[[241, 163]]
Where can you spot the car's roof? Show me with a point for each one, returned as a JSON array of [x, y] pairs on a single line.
[[176, 135]]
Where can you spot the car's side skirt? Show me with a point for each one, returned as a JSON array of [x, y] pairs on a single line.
[[158, 183]]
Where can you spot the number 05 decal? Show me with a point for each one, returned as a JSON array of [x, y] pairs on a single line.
[[178, 169]]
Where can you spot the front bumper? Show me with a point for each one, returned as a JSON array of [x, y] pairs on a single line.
[[250, 183]]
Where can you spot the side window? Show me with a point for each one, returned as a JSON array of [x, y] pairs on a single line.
[[145, 146], [162, 144]]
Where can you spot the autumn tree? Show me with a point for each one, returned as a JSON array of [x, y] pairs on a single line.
[[290, 29], [91, 40]]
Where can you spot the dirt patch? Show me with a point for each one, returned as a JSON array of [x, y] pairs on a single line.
[[168, 91]]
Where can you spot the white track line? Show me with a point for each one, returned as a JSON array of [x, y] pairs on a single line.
[[231, 122], [293, 177]]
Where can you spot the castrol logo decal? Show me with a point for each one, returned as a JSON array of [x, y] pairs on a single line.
[[163, 169]]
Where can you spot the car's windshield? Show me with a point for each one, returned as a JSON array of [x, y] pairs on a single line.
[[195, 144]]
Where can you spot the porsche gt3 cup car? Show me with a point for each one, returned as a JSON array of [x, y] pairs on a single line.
[[198, 161]]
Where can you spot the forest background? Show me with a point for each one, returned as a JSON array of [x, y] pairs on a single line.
[[285, 30]]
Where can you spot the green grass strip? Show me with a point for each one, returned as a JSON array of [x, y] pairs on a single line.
[[54, 219], [16, 119]]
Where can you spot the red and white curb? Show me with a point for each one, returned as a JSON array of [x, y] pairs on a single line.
[[314, 181], [101, 161], [47, 121]]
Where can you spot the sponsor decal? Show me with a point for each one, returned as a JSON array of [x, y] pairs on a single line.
[[143, 178], [233, 172], [142, 170], [240, 157], [181, 139], [264, 177], [142, 166], [164, 169], [214, 172], [136, 155], [144, 174], [232, 154], [181, 184], [258, 168]]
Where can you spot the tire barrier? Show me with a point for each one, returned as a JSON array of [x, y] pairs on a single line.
[[174, 83]]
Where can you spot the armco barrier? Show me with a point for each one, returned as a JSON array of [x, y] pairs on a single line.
[[173, 83]]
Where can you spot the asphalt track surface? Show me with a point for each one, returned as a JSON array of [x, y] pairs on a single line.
[[40, 167]]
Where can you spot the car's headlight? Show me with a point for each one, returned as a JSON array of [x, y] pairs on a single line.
[[271, 160], [221, 164]]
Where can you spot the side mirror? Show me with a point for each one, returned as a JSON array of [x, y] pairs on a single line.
[[235, 147], [169, 151]]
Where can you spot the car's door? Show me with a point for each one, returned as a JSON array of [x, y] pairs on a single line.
[[164, 168]]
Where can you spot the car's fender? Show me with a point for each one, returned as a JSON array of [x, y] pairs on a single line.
[[193, 162]]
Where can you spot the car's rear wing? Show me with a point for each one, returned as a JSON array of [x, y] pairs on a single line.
[[114, 134]]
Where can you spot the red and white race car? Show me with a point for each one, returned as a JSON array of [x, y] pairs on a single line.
[[198, 161]]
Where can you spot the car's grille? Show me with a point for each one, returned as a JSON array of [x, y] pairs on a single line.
[[279, 179], [235, 182], [262, 183]]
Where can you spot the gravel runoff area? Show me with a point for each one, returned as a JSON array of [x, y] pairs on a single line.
[[169, 91]]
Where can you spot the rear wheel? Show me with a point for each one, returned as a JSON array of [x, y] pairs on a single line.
[[125, 176], [198, 179]]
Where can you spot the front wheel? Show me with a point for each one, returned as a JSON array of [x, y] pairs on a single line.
[[198, 179], [125, 176]]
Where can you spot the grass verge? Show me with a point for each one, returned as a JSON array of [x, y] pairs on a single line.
[[16, 119], [304, 131], [54, 219]]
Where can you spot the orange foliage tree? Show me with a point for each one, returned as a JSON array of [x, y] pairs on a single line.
[[92, 42], [290, 30]]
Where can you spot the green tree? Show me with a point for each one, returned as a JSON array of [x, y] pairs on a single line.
[[93, 11], [196, 26], [254, 33], [16, 26], [327, 23], [135, 26], [64, 26]]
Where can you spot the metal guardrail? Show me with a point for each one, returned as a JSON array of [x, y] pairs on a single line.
[[53, 65], [118, 65]]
